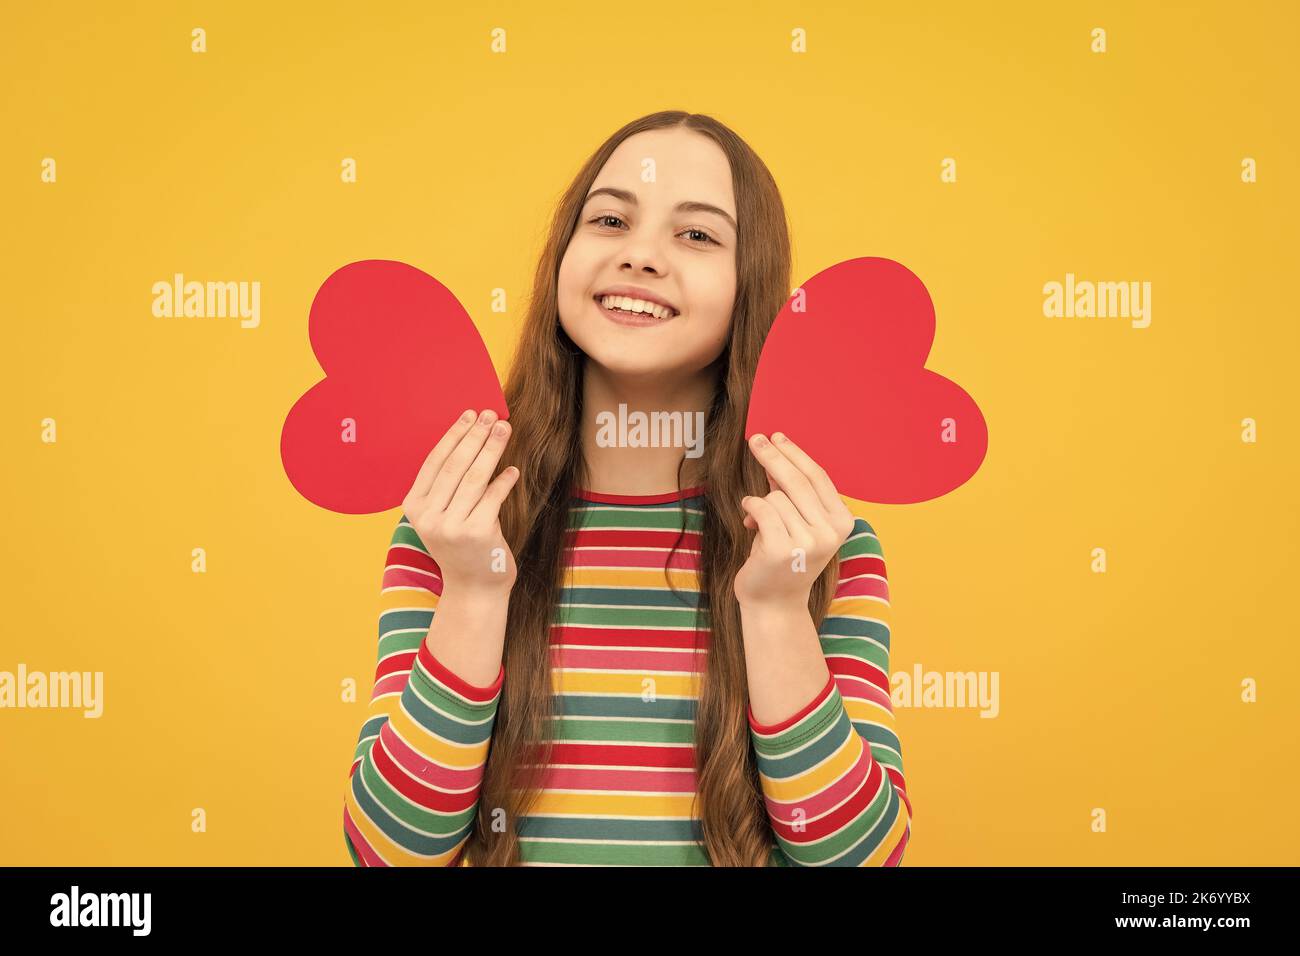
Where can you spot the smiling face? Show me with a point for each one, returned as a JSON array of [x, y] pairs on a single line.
[[673, 238]]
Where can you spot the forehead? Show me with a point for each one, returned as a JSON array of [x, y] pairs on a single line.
[[686, 165]]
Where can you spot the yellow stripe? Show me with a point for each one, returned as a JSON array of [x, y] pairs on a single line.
[[604, 682], [393, 598], [393, 853], [607, 804], [436, 748], [880, 854], [384, 706], [865, 711], [816, 779], [578, 576], [858, 605]]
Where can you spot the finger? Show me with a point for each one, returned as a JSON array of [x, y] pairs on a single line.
[[479, 473], [771, 529], [795, 526], [791, 480], [489, 506], [433, 461], [815, 473], [462, 456]]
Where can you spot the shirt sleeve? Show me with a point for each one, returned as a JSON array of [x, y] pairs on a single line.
[[832, 773], [413, 788]]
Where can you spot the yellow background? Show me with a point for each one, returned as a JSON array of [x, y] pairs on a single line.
[[1119, 691]]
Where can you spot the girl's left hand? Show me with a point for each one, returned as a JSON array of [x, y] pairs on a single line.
[[800, 525]]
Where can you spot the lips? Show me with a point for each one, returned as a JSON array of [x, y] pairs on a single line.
[[635, 319], [638, 292]]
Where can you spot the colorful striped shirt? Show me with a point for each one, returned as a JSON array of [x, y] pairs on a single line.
[[621, 780]]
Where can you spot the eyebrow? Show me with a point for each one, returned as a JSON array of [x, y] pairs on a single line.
[[687, 206]]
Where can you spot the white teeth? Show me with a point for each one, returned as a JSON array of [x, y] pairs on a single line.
[[636, 305]]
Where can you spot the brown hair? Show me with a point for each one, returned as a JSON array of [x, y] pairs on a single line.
[[544, 395]]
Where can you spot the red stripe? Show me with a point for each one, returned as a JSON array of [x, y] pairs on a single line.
[[862, 564], [368, 856], [897, 853], [396, 664], [666, 638], [814, 830], [411, 557], [427, 797], [623, 755], [797, 716], [456, 683], [631, 538], [637, 499]]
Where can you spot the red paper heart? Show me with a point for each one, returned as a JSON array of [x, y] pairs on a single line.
[[402, 360], [846, 380]]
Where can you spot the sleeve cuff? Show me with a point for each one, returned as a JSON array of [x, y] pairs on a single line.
[[458, 684], [799, 715]]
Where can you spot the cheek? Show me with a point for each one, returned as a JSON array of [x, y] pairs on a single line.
[[568, 287], [715, 299], [573, 276]]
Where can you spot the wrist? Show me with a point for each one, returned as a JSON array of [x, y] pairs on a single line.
[[477, 592], [776, 604]]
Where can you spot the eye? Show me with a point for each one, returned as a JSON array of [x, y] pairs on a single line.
[[601, 220], [707, 238]]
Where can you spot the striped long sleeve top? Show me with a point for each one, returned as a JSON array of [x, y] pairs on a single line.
[[620, 784]]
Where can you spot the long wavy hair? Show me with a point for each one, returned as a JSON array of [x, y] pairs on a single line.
[[544, 395]]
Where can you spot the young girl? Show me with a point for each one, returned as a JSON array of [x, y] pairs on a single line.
[[627, 659]]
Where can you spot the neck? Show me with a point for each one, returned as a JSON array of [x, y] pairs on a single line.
[[619, 444]]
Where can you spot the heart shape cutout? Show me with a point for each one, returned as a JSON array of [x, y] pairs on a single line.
[[842, 373], [402, 359]]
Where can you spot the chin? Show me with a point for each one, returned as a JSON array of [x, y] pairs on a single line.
[[619, 365]]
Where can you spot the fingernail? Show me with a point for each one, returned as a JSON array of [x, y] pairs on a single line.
[[500, 428], [759, 441], [486, 416], [778, 436], [467, 415]]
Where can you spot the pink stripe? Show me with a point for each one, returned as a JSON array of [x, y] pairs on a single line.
[[897, 780], [601, 558], [617, 658], [368, 855], [852, 686], [426, 769], [816, 803], [565, 634], [393, 684], [395, 577], [897, 853], [863, 587]]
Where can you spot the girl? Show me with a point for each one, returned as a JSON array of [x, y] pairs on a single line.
[[590, 668]]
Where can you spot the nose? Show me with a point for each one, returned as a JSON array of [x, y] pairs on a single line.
[[640, 254], [645, 266]]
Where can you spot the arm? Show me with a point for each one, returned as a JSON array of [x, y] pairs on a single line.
[[832, 770], [413, 788]]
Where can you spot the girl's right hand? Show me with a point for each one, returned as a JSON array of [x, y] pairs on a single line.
[[454, 509]]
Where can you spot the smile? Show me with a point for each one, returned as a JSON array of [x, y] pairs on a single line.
[[636, 319]]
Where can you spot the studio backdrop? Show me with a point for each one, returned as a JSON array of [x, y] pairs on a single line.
[[1092, 654]]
